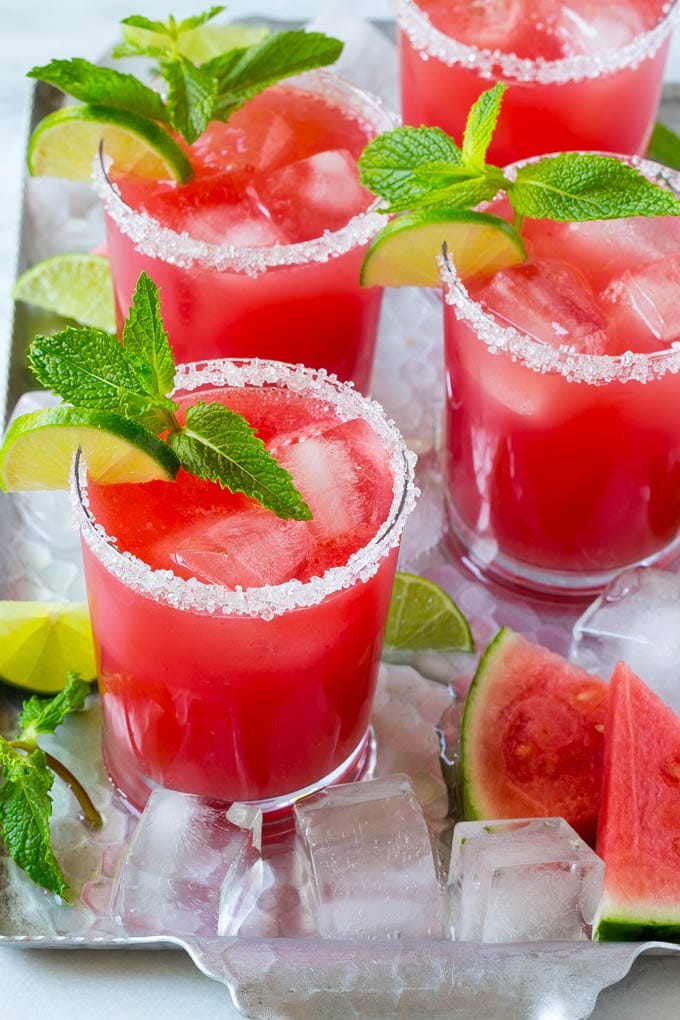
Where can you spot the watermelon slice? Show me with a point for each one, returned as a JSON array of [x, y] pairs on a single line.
[[532, 737], [639, 829]]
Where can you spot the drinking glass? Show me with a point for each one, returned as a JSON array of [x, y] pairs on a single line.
[[258, 694], [604, 99]]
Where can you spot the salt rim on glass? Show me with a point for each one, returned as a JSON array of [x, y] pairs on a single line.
[[592, 369], [270, 600], [179, 249], [431, 42]]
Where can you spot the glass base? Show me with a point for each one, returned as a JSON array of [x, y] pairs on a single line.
[[278, 818], [481, 557]]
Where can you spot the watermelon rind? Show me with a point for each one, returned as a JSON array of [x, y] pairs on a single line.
[[639, 826], [531, 737]]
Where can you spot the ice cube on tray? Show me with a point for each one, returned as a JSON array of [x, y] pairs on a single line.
[[367, 862], [193, 866], [522, 880], [637, 620]]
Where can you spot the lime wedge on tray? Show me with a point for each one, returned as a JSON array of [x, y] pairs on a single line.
[[75, 286], [404, 253], [41, 641], [39, 447], [66, 142], [423, 616]]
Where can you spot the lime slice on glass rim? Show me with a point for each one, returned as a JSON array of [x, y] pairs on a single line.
[[202, 43], [404, 253], [424, 617], [40, 642], [74, 285], [65, 144], [39, 447]]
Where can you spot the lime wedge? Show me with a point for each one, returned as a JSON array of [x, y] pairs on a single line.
[[423, 616], [404, 253], [65, 144], [202, 43], [74, 285], [39, 447], [41, 641]]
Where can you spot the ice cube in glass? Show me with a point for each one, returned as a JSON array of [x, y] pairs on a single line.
[[328, 190], [636, 619], [522, 880], [193, 866], [367, 862], [551, 302]]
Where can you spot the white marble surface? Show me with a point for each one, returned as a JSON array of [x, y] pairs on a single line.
[[162, 985]]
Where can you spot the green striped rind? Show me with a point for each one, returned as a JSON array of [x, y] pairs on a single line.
[[66, 142], [641, 923], [474, 707], [38, 450]]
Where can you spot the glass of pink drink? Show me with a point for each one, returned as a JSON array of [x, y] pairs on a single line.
[[563, 404], [259, 254], [238, 653], [585, 74]]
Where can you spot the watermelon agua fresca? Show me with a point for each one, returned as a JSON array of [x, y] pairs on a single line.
[[639, 829], [532, 737]]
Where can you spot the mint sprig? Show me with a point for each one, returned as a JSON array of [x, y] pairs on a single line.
[[92, 370], [196, 93], [27, 779], [422, 168]]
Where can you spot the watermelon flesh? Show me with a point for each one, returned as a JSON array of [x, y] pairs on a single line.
[[639, 829], [532, 737]]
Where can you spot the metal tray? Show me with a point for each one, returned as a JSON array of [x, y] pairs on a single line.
[[271, 968]]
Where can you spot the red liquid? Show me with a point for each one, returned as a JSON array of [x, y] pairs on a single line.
[[548, 474], [612, 112], [235, 706], [282, 171]]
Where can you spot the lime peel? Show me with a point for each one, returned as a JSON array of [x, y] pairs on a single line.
[[423, 617], [65, 144], [74, 285], [406, 252], [39, 447]]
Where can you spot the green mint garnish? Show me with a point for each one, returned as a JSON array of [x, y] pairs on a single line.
[[27, 779], [422, 168], [92, 370], [196, 93]]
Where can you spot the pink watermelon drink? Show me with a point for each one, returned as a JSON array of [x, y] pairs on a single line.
[[238, 653], [563, 417], [586, 74], [259, 254]]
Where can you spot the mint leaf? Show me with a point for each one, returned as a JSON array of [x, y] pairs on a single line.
[[243, 73], [139, 21], [196, 20], [88, 368], [92, 84], [192, 92], [578, 186], [664, 146], [43, 715], [25, 810], [220, 445], [480, 126], [145, 341], [411, 168]]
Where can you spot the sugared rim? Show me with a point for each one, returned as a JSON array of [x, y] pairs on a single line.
[[432, 42], [593, 369], [156, 241], [271, 600]]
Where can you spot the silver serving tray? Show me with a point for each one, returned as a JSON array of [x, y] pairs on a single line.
[[271, 969]]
